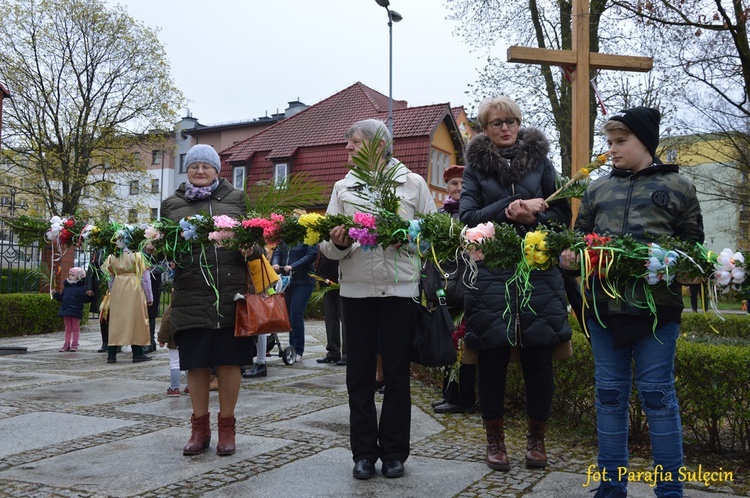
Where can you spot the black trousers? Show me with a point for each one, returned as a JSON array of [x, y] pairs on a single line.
[[536, 363], [460, 392], [392, 319], [335, 330]]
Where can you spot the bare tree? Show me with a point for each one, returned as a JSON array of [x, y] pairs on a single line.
[[705, 46], [544, 92], [89, 83]]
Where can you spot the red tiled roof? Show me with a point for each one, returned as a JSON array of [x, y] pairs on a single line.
[[313, 140], [326, 122]]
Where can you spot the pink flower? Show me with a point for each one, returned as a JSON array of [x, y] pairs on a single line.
[[365, 220], [363, 236], [268, 226], [151, 233], [277, 218], [220, 237], [480, 233], [224, 222]]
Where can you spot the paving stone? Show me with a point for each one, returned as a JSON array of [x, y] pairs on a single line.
[[41, 429], [72, 425]]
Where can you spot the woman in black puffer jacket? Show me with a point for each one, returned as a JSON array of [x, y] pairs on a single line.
[[506, 180], [203, 306]]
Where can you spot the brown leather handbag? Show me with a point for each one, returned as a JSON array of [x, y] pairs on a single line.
[[261, 313]]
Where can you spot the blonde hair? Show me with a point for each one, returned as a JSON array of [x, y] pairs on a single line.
[[505, 104], [615, 125]]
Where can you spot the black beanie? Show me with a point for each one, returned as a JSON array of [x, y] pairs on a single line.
[[644, 123]]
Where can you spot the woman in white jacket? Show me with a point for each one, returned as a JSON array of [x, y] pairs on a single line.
[[378, 288]]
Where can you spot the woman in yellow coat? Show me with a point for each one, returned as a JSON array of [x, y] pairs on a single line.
[[130, 294]]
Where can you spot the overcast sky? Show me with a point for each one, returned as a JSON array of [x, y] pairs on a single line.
[[241, 59]]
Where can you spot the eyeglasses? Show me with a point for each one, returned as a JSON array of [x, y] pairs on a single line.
[[498, 123], [195, 167]]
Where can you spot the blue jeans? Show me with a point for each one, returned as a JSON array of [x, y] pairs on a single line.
[[654, 370], [296, 297]]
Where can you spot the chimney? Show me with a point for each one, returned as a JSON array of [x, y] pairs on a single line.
[[295, 106]]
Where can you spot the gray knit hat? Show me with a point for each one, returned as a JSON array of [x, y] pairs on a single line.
[[203, 153]]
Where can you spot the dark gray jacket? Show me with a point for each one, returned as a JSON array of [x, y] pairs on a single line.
[[193, 297], [490, 183]]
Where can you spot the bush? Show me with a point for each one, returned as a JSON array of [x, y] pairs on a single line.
[[712, 383], [13, 280], [29, 314], [707, 328]]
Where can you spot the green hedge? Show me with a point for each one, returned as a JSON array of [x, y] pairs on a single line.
[[28, 314], [14, 280], [712, 382], [710, 328]]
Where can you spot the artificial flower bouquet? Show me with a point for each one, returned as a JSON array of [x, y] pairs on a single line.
[[437, 236], [576, 185], [497, 245]]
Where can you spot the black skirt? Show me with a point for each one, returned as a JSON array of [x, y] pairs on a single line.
[[204, 348]]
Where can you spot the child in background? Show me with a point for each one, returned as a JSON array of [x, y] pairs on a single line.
[[641, 197], [165, 337], [72, 297]]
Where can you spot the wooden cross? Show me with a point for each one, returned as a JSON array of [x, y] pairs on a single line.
[[582, 60]]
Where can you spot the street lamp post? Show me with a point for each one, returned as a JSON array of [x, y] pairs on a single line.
[[393, 16]]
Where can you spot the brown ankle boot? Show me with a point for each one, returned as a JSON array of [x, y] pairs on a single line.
[[497, 458], [200, 437], [535, 454], [226, 445]]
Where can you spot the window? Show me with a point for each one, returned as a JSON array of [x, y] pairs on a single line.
[[132, 216], [136, 158], [238, 177], [155, 157], [154, 185], [672, 155], [440, 161], [154, 213], [280, 173], [182, 163], [134, 187]]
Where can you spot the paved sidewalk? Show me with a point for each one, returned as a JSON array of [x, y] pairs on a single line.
[[72, 425]]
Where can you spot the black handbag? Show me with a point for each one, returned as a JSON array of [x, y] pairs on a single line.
[[432, 344], [450, 279]]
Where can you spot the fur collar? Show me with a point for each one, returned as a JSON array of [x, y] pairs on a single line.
[[483, 156]]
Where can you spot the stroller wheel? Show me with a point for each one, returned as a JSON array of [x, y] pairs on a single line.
[[289, 355]]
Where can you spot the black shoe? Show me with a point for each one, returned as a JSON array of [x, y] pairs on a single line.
[[258, 370], [392, 468], [342, 362], [102, 349], [451, 408], [143, 357], [111, 359], [438, 402], [365, 469], [328, 359]]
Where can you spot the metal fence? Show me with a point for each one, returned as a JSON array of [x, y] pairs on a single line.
[[19, 265], [23, 270]]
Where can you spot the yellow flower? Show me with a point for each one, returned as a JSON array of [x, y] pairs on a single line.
[[602, 158], [541, 257], [584, 172], [309, 219], [534, 238], [311, 237]]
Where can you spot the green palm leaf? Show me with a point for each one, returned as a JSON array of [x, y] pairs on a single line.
[[299, 191]]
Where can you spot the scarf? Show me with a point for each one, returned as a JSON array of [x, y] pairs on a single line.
[[450, 205], [193, 193]]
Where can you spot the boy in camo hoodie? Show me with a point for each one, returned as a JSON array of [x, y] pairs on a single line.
[[640, 196]]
